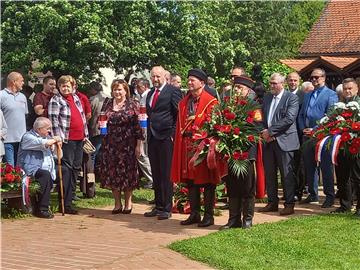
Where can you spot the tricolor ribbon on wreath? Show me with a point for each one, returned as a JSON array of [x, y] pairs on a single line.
[[334, 148], [25, 183]]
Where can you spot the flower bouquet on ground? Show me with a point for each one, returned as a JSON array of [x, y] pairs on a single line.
[[339, 130], [14, 179], [229, 132]]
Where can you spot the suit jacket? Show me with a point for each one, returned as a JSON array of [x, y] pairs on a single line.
[[162, 118], [283, 124], [325, 99]]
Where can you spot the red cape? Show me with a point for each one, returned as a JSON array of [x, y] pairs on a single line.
[[201, 174]]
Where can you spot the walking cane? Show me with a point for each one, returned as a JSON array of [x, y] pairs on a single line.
[[60, 179]]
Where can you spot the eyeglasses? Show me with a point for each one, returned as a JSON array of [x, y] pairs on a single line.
[[315, 77]]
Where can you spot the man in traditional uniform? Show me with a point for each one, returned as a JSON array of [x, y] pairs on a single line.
[[193, 109]]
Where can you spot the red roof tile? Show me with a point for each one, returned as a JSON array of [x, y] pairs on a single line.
[[297, 64], [336, 32], [340, 62]]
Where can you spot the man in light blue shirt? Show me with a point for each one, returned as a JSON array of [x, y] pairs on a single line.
[[37, 160], [14, 107]]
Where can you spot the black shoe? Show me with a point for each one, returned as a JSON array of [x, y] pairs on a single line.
[[164, 215], [127, 211], [71, 211], [327, 204], [192, 219], [206, 222], [340, 210], [229, 226], [270, 207], [117, 211], [44, 214], [76, 198], [153, 213]]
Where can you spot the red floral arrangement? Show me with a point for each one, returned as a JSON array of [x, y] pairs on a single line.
[[340, 130], [230, 130], [10, 177]]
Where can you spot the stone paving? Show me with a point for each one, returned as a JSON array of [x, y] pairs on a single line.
[[95, 239]]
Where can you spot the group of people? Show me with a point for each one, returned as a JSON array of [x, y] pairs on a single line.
[[162, 148]]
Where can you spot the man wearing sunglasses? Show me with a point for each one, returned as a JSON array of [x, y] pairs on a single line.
[[315, 106]]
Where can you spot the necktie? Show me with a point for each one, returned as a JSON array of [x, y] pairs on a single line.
[[155, 97], [272, 110], [313, 98]]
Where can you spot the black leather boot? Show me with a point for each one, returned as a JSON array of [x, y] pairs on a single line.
[[209, 200], [234, 220], [248, 206], [194, 198]]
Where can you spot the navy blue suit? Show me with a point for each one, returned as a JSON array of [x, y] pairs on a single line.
[[308, 117]]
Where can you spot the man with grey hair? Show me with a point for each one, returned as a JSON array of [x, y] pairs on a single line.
[[307, 87], [36, 158], [14, 107], [280, 109]]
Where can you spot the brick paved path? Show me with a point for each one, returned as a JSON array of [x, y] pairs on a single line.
[[95, 239]]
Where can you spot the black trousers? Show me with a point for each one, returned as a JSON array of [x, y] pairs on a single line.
[[242, 187], [160, 156], [72, 158], [343, 170], [46, 184]]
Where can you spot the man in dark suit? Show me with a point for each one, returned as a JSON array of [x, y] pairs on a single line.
[[162, 109], [280, 109], [293, 80], [315, 106]]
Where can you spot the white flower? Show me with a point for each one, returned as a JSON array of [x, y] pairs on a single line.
[[340, 105], [353, 105], [324, 120], [340, 118]]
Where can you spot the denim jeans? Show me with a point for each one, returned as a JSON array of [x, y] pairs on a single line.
[[11, 151]]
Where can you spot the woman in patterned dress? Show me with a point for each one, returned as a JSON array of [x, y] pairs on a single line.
[[117, 166]]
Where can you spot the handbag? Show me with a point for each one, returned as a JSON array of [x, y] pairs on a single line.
[[88, 147]]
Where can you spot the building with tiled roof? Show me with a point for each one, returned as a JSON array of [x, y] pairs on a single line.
[[332, 44]]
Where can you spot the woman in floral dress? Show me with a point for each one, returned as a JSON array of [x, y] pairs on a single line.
[[117, 166]]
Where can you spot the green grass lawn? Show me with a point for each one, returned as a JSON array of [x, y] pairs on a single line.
[[315, 242]]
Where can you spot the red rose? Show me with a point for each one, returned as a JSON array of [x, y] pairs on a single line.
[[345, 136], [225, 128], [225, 111], [355, 126], [184, 190], [207, 141], [242, 102], [244, 155], [251, 114], [17, 169], [217, 127], [249, 119], [8, 168], [335, 131], [236, 130], [251, 138], [226, 99], [9, 177], [353, 149], [236, 155], [356, 142], [320, 136], [230, 116], [347, 114], [345, 129]]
